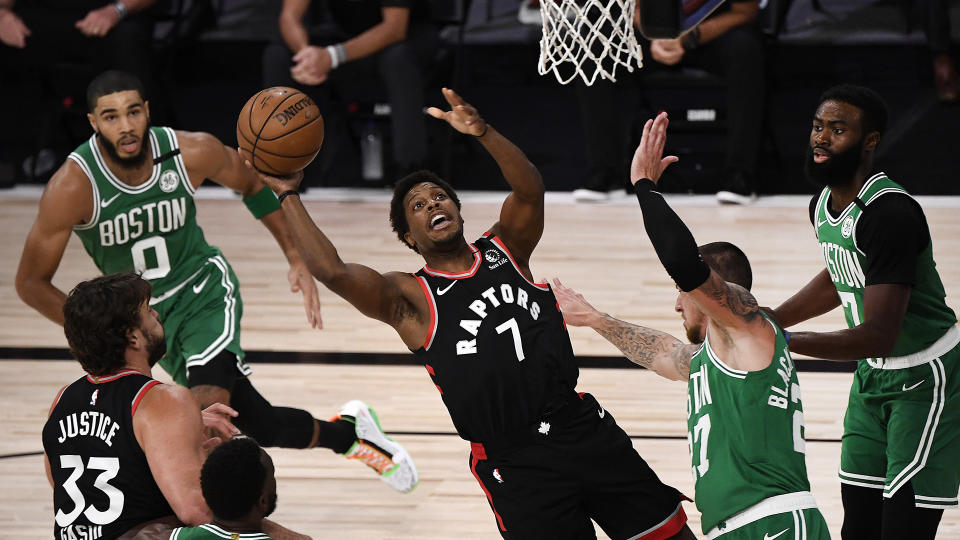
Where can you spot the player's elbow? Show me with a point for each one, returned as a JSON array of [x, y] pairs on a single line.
[[26, 286]]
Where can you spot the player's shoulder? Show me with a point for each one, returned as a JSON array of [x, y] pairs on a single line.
[[196, 144], [163, 398]]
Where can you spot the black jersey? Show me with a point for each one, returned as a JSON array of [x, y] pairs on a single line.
[[102, 482], [498, 349]]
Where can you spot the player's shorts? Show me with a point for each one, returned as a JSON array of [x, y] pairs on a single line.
[[803, 522], [903, 425], [202, 319], [576, 465]]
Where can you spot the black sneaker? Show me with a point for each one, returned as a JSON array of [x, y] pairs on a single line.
[[736, 190]]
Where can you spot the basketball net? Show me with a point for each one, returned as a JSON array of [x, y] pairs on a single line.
[[587, 38]]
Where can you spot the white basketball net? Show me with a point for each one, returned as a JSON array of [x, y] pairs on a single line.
[[589, 38]]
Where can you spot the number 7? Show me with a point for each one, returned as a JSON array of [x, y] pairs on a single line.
[[515, 330]]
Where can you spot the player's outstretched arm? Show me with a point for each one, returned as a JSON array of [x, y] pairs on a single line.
[[66, 201], [664, 354], [814, 299], [206, 157], [169, 428], [521, 217], [394, 298], [732, 309]]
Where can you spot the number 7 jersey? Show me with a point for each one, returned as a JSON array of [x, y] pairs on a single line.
[[497, 349], [150, 228], [745, 432]]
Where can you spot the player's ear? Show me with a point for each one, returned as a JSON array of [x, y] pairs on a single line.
[[408, 238], [146, 108], [871, 141], [93, 122]]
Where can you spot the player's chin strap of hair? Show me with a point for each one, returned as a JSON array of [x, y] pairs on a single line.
[[671, 239]]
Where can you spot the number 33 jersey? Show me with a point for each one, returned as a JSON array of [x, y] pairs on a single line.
[[497, 348], [103, 486]]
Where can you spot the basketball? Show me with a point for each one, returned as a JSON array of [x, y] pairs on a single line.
[[279, 130]]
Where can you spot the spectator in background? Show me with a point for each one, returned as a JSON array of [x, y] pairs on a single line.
[[393, 36], [936, 26], [727, 43]]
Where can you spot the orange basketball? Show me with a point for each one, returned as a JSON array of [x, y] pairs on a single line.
[[280, 130]]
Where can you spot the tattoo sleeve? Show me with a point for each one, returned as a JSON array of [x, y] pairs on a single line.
[[647, 347], [731, 297]]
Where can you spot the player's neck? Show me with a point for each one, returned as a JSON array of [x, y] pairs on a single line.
[[842, 195], [130, 176], [137, 362], [457, 260], [239, 526]]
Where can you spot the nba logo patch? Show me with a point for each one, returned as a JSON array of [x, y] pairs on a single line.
[[169, 181], [94, 396], [496, 474], [847, 227]]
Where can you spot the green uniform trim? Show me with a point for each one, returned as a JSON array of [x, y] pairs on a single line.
[[210, 531], [262, 203]]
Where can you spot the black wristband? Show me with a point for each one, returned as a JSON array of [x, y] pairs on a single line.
[[691, 40], [286, 194], [644, 185], [486, 126]]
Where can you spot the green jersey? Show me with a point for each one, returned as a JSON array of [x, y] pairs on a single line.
[[213, 532], [745, 432], [927, 318], [150, 228]]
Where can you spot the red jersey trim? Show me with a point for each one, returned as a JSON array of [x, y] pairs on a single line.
[[473, 469], [499, 243], [108, 378], [143, 391], [433, 311], [59, 395], [666, 528], [469, 273]]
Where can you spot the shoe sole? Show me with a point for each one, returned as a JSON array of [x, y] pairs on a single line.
[[378, 438], [589, 195], [730, 197]]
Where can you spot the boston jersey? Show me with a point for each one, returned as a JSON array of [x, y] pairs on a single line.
[[150, 228], [103, 486], [498, 349], [927, 318], [745, 432], [213, 532]]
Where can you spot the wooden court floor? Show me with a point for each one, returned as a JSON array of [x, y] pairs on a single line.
[[601, 250]]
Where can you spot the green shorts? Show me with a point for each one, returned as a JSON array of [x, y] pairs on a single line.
[[903, 425], [805, 524], [202, 319]]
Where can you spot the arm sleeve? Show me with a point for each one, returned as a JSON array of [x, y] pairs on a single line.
[[671, 239], [892, 232]]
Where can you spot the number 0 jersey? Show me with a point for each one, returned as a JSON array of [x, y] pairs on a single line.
[[151, 228], [103, 486], [745, 432], [498, 349]]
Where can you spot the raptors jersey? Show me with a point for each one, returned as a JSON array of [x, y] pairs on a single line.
[[497, 349], [102, 482]]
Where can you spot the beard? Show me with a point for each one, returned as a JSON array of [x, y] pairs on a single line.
[[156, 348], [836, 171], [272, 506], [694, 335], [132, 162]]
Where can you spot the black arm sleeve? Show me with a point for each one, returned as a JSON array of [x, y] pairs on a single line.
[[671, 239], [892, 232]]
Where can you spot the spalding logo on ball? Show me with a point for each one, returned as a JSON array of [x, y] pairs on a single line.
[[279, 130]]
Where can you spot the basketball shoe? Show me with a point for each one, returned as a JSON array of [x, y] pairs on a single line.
[[736, 190], [376, 450]]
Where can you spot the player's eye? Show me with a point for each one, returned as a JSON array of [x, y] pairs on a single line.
[[439, 196], [839, 131], [417, 205]]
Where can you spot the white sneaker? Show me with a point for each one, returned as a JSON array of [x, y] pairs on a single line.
[[379, 452], [732, 197], [590, 195]]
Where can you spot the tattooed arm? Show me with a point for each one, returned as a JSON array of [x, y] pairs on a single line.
[[652, 349]]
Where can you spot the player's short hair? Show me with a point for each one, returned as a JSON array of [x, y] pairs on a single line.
[[398, 215], [110, 82], [98, 317], [232, 478], [873, 107], [729, 262]]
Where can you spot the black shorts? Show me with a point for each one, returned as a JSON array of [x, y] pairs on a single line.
[[584, 467]]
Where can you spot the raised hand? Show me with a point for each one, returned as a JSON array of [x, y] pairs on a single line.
[[647, 160], [278, 184], [462, 116], [575, 308], [302, 281]]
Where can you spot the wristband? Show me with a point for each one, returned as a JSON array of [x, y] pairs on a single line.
[[262, 203], [120, 8], [286, 194], [691, 40], [486, 126], [786, 336], [338, 54]]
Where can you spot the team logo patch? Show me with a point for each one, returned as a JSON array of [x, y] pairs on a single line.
[[496, 474], [847, 227], [544, 428], [491, 256], [94, 396], [169, 181]]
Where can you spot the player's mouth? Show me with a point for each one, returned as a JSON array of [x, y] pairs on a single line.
[[820, 155], [440, 221], [129, 144]]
